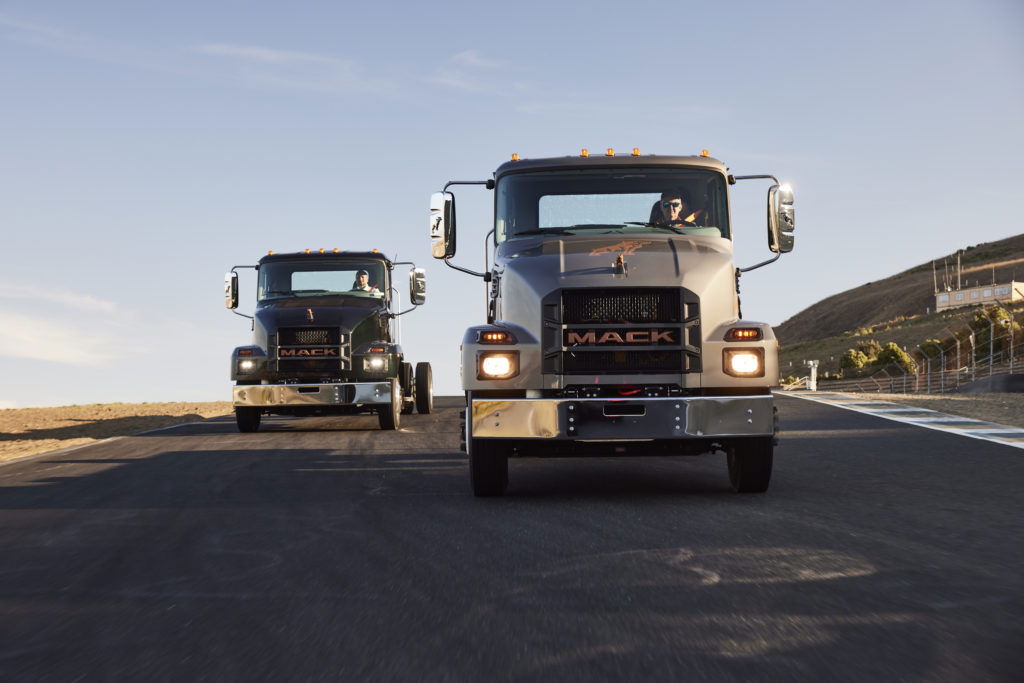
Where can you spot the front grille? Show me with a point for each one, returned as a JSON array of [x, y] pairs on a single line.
[[303, 336], [295, 351], [587, 331], [628, 305], [613, 362]]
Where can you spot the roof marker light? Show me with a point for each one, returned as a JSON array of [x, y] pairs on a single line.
[[270, 253], [584, 152], [375, 251], [307, 251], [636, 151], [335, 250], [515, 156], [322, 250], [705, 153], [609, 152]]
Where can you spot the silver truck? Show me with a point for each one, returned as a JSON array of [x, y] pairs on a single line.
[[613, 316]]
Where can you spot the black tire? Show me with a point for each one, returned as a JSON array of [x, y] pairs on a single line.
[[247, 418], [424, 388], [390, 416], [750, 465], [408, 390], [488, 468]]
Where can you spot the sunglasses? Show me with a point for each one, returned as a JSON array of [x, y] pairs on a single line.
[[674, 204]]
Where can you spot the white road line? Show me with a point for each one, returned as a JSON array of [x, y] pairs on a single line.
[[943, 422]]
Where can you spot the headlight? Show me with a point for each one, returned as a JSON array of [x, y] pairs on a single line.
[[246, 365], [743, 362], [375, 363], [497, 365]]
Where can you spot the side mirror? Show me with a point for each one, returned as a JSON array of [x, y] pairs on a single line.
[[780, 219], [231, 290], [417, 286], [442, 225]]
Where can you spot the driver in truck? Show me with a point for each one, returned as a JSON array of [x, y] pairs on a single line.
[[362, 283], [674, 209]]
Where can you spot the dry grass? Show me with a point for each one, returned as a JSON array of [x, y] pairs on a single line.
[[1005, 409], [27, 431]]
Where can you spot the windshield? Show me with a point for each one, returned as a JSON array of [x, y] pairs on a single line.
[[290, 279], [683, 201]]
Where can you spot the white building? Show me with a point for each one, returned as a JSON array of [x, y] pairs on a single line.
[[980, 295]]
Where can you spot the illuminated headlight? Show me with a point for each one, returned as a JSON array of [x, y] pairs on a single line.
[[743, 362], [375, 364], [246, 365], [497, 365]]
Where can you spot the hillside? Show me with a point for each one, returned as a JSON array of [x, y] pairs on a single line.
[[905, 294]]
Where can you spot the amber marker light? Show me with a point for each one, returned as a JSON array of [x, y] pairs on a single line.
[[636, 151], [495, 337], [322, 250], [377, 349], [744, 334], [270, 253], [515, 157], [307, 251], [705, 153], [609, 152], [335, 250], [245, 352], [584, 152]]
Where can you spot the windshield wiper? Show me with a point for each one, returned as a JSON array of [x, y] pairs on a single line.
[[543, 231], [656, 225], [296, 292], [281, 292]]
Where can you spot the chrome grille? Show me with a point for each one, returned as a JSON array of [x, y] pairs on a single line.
[[627, 305]]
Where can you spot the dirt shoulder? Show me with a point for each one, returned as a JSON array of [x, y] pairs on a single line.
[[1007, 409], [27, 431]]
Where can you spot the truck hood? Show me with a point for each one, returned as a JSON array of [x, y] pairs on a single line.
[[361, 317]]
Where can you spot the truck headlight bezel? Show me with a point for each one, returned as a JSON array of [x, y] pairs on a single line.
[[743, 362], [496, 365], [375, 364]]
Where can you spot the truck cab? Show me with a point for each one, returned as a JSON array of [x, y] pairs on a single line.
[[614, 324], [323, 340]]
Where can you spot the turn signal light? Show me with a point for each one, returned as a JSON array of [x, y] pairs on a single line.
[[495, 337], [744, 334], [245, 352], [377, 349]]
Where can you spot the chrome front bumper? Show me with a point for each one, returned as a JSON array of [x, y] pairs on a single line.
[[337, 394], [602, 419]]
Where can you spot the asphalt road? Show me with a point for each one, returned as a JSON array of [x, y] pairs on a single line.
[[325, 549]]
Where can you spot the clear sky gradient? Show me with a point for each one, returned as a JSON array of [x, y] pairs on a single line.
[[147, 147]]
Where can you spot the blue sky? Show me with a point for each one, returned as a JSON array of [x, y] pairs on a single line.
[[147, 147]]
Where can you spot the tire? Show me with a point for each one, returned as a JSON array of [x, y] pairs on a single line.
[[424, 388], [750, 465], [488, 468], [247, 418], [408, 390], [390, 416]]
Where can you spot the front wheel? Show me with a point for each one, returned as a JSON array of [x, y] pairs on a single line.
[[750, 465], [390, 416], [247, 418], [424, 388], [488, 467]]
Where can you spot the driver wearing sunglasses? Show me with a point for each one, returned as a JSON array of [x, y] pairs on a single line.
[[675, 209]]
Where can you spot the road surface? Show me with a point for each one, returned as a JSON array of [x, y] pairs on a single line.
[[325, 549]]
